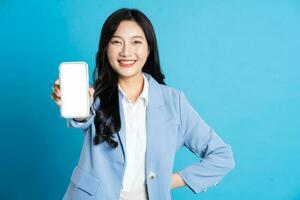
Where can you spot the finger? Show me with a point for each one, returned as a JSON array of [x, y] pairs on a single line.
[[56, 99], [56, 82], [58, 102], [91, 91], [54, 96], [56, 90]]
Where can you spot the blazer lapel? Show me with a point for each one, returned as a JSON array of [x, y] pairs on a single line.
[[122, 131], [154, 119]]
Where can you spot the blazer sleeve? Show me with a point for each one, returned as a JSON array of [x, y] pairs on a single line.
[[216, 156], [73, 123]]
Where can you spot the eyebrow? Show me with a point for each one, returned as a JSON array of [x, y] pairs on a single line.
[[136, 36]]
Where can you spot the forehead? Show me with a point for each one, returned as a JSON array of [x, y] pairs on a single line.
[[127, 29]]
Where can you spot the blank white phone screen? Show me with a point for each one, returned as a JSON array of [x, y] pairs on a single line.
[[74, 87]]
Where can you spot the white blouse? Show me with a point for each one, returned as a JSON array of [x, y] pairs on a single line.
[[135, 122]]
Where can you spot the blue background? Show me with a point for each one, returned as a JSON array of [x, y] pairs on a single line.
[[237, 62]]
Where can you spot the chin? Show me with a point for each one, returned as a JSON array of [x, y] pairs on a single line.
[[127, 74]]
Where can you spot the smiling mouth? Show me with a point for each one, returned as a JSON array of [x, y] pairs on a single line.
[[126, 63]]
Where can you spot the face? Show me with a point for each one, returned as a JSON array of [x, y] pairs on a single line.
[[128, 50]]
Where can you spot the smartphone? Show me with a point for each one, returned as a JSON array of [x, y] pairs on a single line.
[[74, 86]]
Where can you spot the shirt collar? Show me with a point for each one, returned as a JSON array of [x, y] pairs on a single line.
[[143, 95]]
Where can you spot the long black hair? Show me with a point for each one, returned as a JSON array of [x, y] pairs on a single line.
[[107, 120]]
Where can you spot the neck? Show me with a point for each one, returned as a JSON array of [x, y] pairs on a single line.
[[132, 86]]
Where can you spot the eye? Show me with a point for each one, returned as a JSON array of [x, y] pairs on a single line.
[[137, 42], [115, 42]]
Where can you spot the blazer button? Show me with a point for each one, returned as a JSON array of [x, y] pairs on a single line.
[[152, 175]]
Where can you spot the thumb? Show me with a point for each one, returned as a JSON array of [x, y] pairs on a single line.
[[91, 92]]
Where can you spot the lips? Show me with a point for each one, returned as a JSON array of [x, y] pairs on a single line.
[[126, 63]]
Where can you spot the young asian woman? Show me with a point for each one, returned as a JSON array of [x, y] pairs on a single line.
[[137, 123]]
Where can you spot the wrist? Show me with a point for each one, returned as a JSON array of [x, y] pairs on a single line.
[[177, 181]]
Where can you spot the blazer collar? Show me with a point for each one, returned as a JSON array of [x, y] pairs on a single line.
[[155, 94], [155, 97], [154, 119], [144, 95]]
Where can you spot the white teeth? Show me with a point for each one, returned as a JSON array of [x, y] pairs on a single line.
[[127, 62]]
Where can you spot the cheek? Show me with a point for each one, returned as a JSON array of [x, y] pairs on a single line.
[[110, 57], [111, 54], [142, 53]]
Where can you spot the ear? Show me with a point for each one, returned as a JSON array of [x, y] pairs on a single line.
[[148, 51]]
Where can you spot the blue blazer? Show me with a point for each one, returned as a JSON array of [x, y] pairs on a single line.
[[171, 124]]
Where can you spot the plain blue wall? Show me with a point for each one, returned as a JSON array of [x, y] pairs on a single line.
[[237, 62]]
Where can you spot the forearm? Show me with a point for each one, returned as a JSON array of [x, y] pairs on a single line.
[[177, 181]]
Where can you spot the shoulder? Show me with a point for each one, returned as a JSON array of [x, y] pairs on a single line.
[[176, 99], [170, 92], [171, 96]]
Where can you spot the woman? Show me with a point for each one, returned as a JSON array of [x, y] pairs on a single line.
[[137, 123]]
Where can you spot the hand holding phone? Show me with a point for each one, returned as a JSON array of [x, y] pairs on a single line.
[[71, 92]]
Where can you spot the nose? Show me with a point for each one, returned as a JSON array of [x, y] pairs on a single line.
[[125, 50]]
